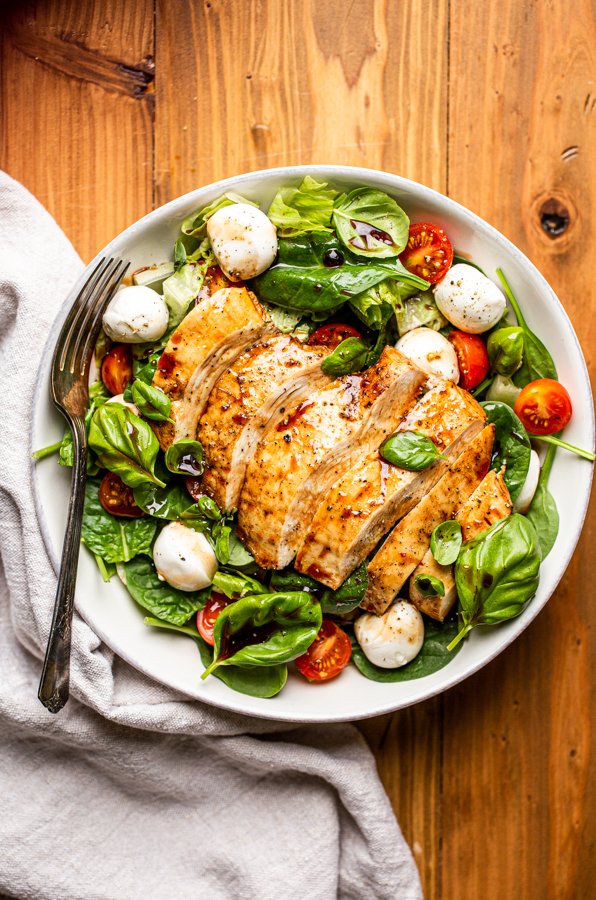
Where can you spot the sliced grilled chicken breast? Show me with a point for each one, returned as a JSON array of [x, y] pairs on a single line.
[[408, 542], [300, 459], [489, 503], [205, 343], [371, 496], [249, 397]]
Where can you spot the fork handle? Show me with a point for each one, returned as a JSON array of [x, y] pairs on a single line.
[[55, 677]]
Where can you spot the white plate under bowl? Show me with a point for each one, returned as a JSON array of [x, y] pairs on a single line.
[[172, 659]]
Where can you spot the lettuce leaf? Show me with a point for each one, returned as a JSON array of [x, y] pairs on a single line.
[[303, 209]]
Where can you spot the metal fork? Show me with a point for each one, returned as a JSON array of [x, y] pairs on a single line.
[[69, 390]]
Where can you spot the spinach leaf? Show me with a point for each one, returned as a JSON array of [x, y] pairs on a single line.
[[229, 549], [124, 444], [144, 372], [349, 595], [158, 597], [303, 209], [97, 397], [537, 361], [151, 402], [114, 539], [349, 356], [185, 458], [457, 258], [505, 348], [196, 223], [445, 542], [496, 574], [179, 255], [429, 586], [171, 502], [410, 450], [290, 580], [237, 584], [370, 223], [512, 445], [288, 623], [432, 657], [543, 512]]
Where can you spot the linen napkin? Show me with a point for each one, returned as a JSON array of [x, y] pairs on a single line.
[[134, 791]]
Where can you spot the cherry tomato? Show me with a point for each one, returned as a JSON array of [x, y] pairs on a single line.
[[332, 335], [193, 486], [472, 358], [329, 653], [543, 406], [117, 498], [428, 252], [206, 617], [116, 368]]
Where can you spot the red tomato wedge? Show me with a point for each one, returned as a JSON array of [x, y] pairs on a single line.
[[116, 368], [328, 654], [333, 334], [117, 498], [543, 406], [472, 358], [428, 252], [206, 617]]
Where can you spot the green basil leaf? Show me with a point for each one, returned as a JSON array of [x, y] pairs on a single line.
[[349, 356], [410, 450], [512, 445], [349, 595], [185, 458], [235, 585], [196, 223], [151, 402], [496, 573], [445, 543], [505, 348], [179, 255], [304, 209], [370, 223], [144, 372], [158, 597], [288, 623], [171, 502], [124, 444], [433, 656], [429, 586], [113, 538]]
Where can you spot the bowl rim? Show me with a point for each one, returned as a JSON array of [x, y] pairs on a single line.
[[329, 171]]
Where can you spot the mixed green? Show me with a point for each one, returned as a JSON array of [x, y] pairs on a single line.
[[351, 269]]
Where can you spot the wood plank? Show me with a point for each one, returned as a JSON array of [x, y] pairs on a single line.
[[77, 112], [516, 802]]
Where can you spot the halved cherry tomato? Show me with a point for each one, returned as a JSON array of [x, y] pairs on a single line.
[[472, 358], [116, 368], [543, 406], [117, 498], [333, 334], [329, 653], [428, 252], [206, 617]]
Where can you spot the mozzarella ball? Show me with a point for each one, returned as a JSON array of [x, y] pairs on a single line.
[[469, 300], [526, 495], [393, 639], [184, 558], [243, 239], [431, 352], [135, 314], [119, 398]]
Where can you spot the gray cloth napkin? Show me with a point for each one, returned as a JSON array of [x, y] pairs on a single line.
[[134, 791]]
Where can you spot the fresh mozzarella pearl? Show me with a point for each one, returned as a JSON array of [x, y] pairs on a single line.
[[119, 398], [393, 639], [243, 239], [431, 352], [526, 495], [184, 558], [469, 300], [135, 314]]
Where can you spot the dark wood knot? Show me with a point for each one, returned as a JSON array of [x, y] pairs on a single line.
[[554, 217]]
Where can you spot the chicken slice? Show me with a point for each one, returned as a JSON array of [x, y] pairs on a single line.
[[298, 460], [409, 540], [249, 397], [370, 498], [489, 503], [205, 343]]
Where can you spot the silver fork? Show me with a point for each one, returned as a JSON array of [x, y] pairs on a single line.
[[69, 390]]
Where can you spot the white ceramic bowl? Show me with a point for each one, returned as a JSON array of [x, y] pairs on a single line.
[[172, 659]]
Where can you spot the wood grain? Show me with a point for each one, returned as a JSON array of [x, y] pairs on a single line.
[[110, 108]]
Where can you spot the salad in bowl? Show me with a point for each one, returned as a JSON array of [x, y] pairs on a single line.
[[321, 437]]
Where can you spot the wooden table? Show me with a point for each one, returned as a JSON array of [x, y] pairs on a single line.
[[111, 108]]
